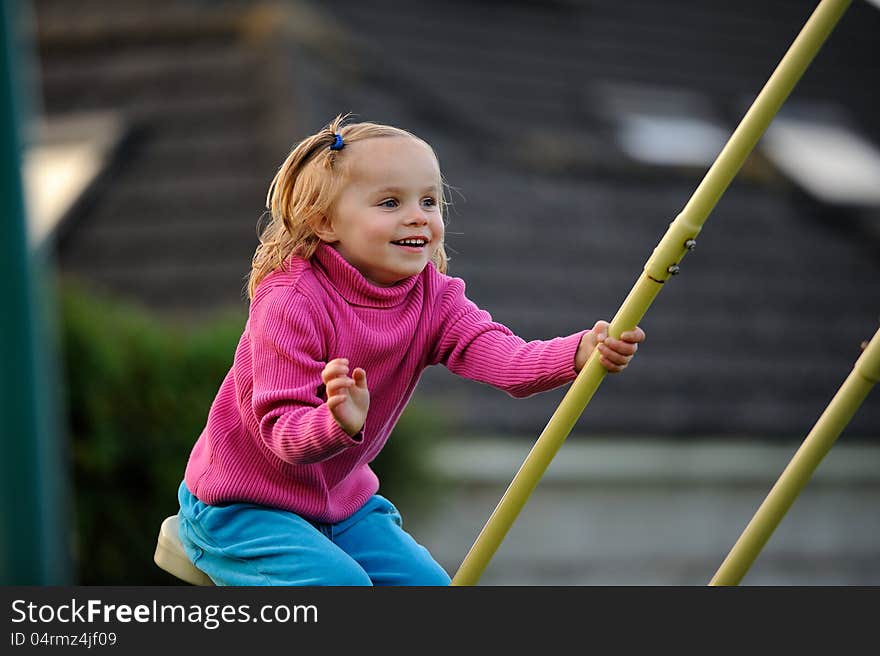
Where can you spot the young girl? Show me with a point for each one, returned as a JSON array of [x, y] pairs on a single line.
[[349, 303]]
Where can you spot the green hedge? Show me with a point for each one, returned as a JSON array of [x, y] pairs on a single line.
[[138, 389]]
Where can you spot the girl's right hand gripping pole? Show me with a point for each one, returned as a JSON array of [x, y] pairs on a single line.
[[663, 263]]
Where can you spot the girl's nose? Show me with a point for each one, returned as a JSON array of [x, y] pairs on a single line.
[[418, 217]]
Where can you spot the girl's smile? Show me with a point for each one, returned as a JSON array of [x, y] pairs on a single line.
[[413, 244]]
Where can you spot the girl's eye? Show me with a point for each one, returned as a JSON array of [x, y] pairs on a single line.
[[390, 202], [429, 202]]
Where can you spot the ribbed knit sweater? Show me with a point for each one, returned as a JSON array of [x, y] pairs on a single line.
[[270, 438]]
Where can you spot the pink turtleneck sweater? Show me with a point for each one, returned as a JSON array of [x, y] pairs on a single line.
[[270, 438]]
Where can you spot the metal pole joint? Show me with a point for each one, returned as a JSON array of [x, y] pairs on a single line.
[[868, 364], [679, 239]]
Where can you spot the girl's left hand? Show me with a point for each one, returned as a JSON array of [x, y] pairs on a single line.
[[615, 354]]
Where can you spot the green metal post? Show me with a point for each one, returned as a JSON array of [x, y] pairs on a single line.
[[865, 374], [34, 541], [674, 245]]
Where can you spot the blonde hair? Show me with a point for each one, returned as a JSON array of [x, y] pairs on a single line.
[[304, 189]]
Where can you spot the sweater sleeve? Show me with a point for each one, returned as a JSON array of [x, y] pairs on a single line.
[[473, 346], [288, 399]]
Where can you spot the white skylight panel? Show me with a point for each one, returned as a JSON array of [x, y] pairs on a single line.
[[670, 140], [830, 161], [660, 126]]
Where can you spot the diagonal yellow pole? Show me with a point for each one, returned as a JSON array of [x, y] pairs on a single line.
[[837, 415], [678, 240]]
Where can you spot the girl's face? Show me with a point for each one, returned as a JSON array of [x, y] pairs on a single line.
[[386, 221]]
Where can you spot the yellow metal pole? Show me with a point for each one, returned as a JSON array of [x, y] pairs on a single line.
[[837, 415], [678, 240]]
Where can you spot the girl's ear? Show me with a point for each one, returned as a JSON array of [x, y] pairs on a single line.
[[324, 230]]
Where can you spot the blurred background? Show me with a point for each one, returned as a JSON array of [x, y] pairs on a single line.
[[570, 132]]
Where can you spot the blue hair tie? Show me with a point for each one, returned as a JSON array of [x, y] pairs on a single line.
[[337, 142]]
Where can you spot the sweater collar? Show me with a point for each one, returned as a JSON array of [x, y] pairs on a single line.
[[351, 284]]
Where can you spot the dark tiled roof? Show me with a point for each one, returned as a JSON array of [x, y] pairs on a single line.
[[552, 225]]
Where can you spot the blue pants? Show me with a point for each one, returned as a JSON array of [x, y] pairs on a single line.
[[249, 544]]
